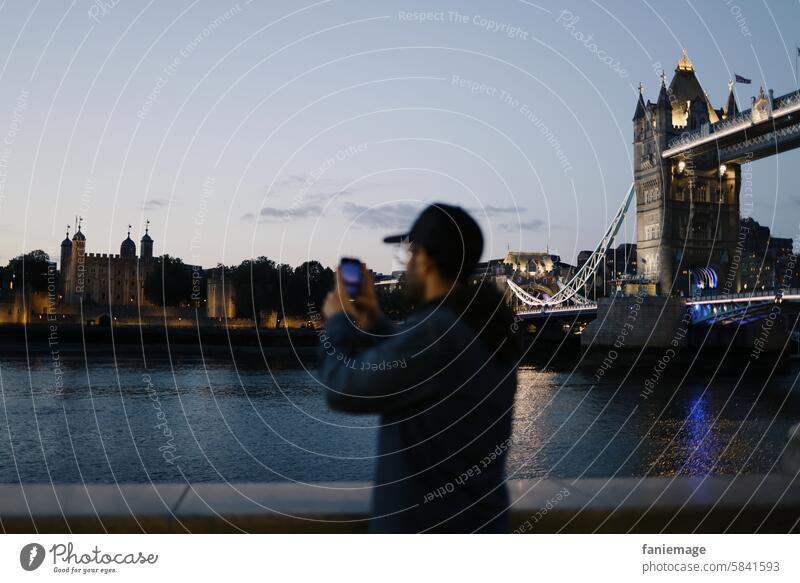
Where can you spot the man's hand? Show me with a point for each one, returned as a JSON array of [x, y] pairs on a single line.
[[365, 309], [337, 300]]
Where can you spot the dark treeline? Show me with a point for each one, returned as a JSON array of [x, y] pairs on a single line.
[[29, 270], [259, 286], [173, 283]]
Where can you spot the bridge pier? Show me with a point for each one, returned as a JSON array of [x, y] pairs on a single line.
[[635, 322], [769, 334], [647, 331]]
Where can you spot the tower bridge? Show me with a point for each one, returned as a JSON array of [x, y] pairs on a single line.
[[741, 308], [770, 127], [688, 159]]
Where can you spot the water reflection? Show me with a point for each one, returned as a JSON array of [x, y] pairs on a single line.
[[701, 437], [252, 424]]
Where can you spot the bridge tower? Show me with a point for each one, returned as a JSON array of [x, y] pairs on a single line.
[[687, 207]]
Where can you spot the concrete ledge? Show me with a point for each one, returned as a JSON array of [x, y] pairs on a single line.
[[717, 504]]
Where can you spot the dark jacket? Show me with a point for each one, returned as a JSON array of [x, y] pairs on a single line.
[[444, 386]]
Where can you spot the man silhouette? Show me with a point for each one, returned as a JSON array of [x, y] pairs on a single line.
[[443, 384]]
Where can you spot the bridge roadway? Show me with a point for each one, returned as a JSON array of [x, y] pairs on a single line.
[[705, 309], [739, 307], [530, 313], [745, 135]]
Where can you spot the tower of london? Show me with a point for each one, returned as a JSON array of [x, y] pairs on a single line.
[[103, 278]]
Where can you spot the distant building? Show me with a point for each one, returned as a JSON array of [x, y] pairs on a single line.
[[101, 278], [527, 263], [18, 306], [765, 262], [495, 271], [539, 273], [221, 301], [388, 283], [6, 282], [617, 269]]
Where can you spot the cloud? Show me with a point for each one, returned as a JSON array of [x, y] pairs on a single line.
[[324, 196], [271, 214], [398, 215], [303, 204], [492, 211], [303, 200], [530, 225], [155, 204], [298, 211], [288, 183], [401, 214], [394, 216], [309, 188]]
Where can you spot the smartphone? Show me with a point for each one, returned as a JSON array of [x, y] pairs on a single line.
[[350, 269]]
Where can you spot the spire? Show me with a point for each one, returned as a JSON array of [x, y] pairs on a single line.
[[147, 243], [684, 64], [66, 242], [128, 247], [146, 237], [78, 236], [730, 105], [663, 96], [639, 114]]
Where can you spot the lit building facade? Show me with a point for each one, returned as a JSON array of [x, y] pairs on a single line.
[[104, 278]]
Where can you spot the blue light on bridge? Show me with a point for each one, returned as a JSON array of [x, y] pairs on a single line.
[[705, 277]]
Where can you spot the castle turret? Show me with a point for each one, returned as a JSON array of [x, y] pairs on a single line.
[[128, 247], [76, 274], [66, 253], [147, 244]]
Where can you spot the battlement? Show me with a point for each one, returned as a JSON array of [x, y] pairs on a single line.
[[105, 256]]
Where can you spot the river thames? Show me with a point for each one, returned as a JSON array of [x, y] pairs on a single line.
[[212, 422]]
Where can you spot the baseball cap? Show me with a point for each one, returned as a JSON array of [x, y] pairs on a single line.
[[449, 235]]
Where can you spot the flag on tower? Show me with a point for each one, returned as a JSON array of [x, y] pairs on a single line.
[[740, 79]]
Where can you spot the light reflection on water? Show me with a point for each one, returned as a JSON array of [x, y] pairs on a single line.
[[253, 425]]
